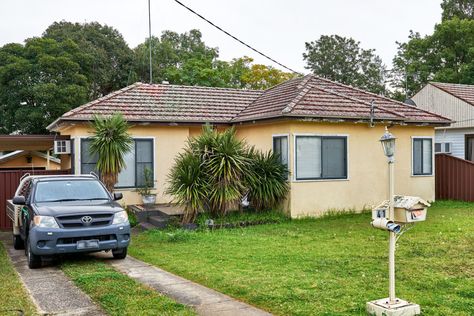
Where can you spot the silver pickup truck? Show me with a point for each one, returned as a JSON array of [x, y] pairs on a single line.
[[54, 215]]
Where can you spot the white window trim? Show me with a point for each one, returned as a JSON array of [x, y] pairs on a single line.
[[293, 178], [432, 157], [79, 159]]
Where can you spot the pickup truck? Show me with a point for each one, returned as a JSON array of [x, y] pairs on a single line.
[[61, 214]]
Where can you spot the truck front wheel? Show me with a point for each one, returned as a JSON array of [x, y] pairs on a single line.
[[120, 253], [34, 261], [18, 243]]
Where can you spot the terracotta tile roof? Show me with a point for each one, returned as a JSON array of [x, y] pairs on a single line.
[[168, 103], [308, 96], [464, 92]]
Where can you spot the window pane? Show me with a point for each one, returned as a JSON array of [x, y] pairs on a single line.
[[126, 177], [308, 157], [334, 157], [141, 172], [280, 148], [427, 156], [88, 161], [417, 156], [144, 150], [437, 147]]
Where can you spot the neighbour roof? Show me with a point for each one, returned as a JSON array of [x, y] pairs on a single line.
[[464, 92], [308, 96], [19, 153]]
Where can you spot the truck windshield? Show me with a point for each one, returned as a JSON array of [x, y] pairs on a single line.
[[69, 190]]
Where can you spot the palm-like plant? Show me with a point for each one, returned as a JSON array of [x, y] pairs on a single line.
[[110, 141], [266, 180]]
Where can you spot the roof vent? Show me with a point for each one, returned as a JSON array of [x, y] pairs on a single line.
[[165, 82], [410, 102]]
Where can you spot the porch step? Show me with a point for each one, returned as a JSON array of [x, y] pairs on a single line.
[[158, 221], [146, 226]]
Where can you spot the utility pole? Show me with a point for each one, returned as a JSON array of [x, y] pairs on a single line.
[[149, 41]]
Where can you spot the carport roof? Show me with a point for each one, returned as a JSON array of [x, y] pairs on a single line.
[[28, 142]]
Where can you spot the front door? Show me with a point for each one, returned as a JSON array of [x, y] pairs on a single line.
[[469, 147]]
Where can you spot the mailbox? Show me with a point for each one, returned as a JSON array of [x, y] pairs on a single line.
[[407, 209]]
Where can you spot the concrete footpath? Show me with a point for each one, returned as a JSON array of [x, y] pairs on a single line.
[[50, 289], [205, 301]]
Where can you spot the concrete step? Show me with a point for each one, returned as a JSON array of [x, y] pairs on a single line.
[[146, 226], [158, 221]]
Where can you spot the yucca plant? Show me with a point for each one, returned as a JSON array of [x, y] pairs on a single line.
[[110, 141], [189, 184], [267, 180]]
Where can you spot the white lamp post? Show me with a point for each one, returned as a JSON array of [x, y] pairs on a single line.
[[391, 306]]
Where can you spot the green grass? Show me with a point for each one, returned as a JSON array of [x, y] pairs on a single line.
[[236, 217], [327, 266], [13, 295], [118, 294]]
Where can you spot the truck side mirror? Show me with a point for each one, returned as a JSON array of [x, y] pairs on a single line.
[[118, 196], [19, 200]]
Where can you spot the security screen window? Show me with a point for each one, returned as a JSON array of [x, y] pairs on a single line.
[[280, 148], [422, 156], [321, 157], [137, 160]]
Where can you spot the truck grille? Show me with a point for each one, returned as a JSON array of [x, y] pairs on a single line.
[[75, 221], [73, 240]]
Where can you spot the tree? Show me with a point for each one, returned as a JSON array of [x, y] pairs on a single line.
[[342, 59], [463, 9], [110, 68], [260, 77], [110, 141], [447, 56], [39, 81]]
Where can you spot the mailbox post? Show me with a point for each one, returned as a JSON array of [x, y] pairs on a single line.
[[390, 216]]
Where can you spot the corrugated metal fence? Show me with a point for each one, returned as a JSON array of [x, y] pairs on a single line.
[[454, 178], [9, 181]]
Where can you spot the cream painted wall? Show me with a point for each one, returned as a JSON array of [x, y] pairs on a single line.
[[168, 142], [38, 162], [367, 166]]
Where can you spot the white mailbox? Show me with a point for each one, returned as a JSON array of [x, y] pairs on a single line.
[[407, 209]]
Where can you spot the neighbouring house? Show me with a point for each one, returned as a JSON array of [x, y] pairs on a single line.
[[28, 160], [325, 132], [456, 102]]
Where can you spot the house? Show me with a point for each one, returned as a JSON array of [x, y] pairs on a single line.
[[28, 160], [456, 102], [325, 132]]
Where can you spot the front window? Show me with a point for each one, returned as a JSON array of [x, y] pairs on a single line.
[[69, 190], [139, 158], [321, 157], [422, 156], [280, 148]]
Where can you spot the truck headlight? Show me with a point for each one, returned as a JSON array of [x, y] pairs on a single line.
[[45, 221], [120, 218]]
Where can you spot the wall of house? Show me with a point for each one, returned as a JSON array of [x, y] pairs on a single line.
[[36, 162], [168, 142], [456, 137], [435, 100], [367, 182]]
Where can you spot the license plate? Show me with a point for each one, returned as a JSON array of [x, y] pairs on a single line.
[[88, 244]]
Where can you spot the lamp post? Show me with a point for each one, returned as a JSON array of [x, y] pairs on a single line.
[[391, 306], [388, 144]]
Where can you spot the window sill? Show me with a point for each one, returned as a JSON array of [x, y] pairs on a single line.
[[319, 180], [422, 175]]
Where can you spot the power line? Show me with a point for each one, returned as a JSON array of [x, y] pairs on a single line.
[[235, 38]]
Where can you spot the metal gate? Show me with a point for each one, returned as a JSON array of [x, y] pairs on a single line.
[[9, 181]]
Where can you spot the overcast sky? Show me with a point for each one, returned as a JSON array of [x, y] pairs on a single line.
[[279, 28]]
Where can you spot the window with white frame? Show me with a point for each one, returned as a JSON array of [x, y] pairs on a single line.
[[320, 157], [443, 147], [280, 148], [137, 160], [422, 156]]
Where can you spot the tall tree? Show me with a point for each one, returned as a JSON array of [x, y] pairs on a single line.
[[342, 59], [463, 9], [447, 55], [39, 81], [111, 66]]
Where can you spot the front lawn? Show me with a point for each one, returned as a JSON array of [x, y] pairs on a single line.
[[14, 299], [327, 266]]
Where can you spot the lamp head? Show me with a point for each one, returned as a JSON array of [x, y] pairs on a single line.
[[388, 143]]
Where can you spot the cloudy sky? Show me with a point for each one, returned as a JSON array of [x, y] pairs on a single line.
[[277, 27]]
